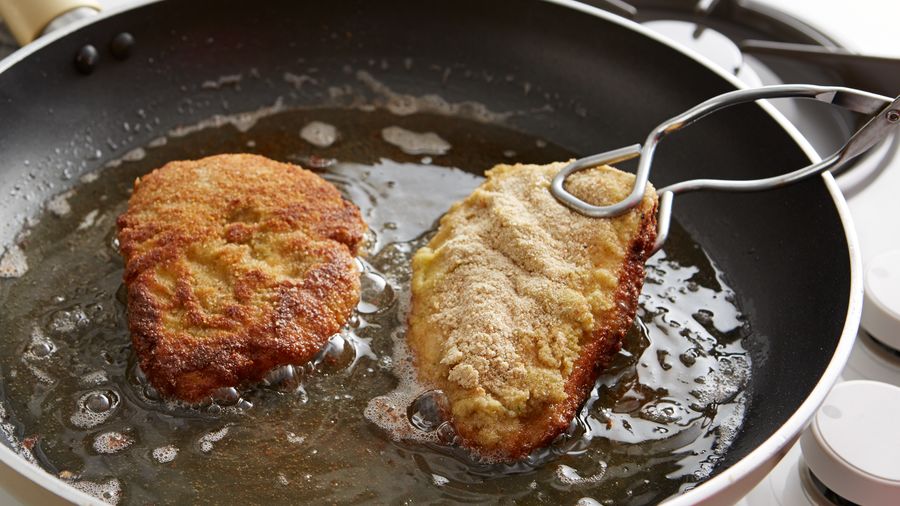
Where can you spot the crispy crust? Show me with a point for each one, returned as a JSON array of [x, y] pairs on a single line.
[[235, 264], [518, 303]]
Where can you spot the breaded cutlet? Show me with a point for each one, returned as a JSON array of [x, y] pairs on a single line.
[[518, 303], [235, 264]]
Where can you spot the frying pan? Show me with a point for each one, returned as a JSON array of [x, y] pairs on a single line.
[[596, 81]]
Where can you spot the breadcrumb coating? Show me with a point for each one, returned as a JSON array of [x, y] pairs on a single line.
[[235, 264], [518, 302]]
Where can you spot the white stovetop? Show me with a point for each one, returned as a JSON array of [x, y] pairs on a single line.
[[867, 26]]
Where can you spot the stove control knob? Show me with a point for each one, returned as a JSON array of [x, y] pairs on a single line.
[[881, 305], [851, 446]]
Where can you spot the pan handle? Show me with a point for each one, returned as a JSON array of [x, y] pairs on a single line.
[[29, 19], [885, 117]]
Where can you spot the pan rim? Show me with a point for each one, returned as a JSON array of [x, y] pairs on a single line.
[[726, 487]]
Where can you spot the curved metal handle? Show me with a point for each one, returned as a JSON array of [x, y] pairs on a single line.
[[886, 115]]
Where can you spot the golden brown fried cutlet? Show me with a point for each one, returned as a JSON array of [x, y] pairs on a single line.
[[518, 303], [235, 264]]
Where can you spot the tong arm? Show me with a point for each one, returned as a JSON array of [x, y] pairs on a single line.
[[885, 116]]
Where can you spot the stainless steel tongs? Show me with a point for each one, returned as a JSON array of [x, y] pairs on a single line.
[[884, 112]]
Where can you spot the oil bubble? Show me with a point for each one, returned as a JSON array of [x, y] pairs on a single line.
[[94, 408], [280, 376], [342, 351], [151, 393], [376, 294], [207, 440], [65, 322], [41, 349], [662, 412], [98, 402], [165, 454], [41, 346], [95, 378], [226, 396], [426, 412], [112, 442]]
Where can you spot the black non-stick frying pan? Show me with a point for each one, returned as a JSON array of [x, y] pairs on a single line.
[[596, 82]]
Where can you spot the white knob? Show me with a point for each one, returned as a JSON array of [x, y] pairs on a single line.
[[881, 306], [852, 445]]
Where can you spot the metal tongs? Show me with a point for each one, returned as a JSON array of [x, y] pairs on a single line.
[[884, 112]]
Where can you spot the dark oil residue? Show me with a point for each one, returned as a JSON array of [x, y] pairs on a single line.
[[657, 422]]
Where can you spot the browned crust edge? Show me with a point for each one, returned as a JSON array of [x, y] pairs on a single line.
[[192, 371]]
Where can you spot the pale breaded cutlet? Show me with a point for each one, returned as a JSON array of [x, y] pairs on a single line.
[[235, 264], [518, 302]]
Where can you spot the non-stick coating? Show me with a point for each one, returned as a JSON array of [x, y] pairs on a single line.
[[785, 251]]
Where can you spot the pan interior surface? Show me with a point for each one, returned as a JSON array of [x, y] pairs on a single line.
[[579, 83], [351, 423]]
